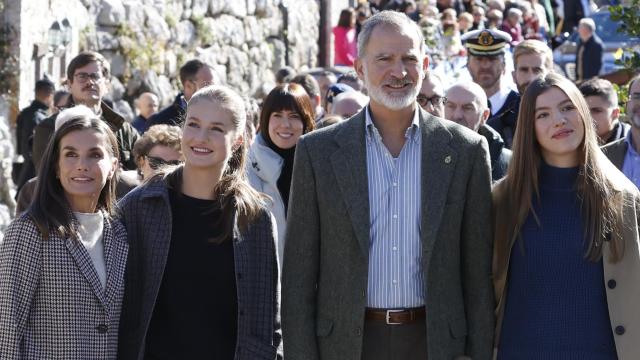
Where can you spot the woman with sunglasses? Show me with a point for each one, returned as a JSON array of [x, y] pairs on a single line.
[[202, 273], [566, 260], [159, 146], [286, 115]]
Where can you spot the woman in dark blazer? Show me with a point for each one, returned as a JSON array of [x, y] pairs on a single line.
[[202, 274], [62, 262]]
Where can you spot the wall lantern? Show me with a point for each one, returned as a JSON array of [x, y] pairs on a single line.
[[67, 32], [55, 35]]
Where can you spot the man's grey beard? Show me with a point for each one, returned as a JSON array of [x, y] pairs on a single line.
[[392, 102]]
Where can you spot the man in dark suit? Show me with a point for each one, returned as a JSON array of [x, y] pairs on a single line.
[[625, 153], [27, 121], [194, 75], [388, 248], [589, 52]]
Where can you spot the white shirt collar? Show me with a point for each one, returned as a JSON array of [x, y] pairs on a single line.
[[498, 99]]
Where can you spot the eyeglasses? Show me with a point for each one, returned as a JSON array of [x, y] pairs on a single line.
[[84, 77], [634, 96], [155, 162], [435, 100]]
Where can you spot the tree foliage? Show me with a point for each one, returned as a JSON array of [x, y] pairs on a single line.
[[628, 16]]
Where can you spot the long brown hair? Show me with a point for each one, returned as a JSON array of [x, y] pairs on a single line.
[[233, 193], [513, 196], [50, 210]]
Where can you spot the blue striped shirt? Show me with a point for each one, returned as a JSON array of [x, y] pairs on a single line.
[[631, 163], [396, 279]]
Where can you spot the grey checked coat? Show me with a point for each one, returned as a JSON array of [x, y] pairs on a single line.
[[52, 305], [146, 213]]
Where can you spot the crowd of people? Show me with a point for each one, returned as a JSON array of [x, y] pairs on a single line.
[[386, 211]]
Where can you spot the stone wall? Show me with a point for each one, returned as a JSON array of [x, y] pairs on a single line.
[[243, 40], [146, 41]]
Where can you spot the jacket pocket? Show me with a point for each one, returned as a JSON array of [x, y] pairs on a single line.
[[323, 327], [458, 328], [254, 348]]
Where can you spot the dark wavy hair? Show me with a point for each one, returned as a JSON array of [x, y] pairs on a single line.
[[50, 209]]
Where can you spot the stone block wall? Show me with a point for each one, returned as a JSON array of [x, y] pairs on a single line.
[[243, 40]]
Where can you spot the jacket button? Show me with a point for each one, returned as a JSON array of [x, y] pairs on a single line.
[[102, 329], [358, 331], [607, 236], [241, 312], [611, 284], [619, 330], [239, 275]]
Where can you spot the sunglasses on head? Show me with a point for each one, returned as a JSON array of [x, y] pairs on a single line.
[[156, 162]]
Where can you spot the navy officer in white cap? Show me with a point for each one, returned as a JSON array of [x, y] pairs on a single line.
[[486, 62]]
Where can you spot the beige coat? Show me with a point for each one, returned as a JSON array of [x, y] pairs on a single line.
[[621, 279]]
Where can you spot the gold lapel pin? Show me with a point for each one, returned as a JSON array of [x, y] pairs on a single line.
[[447, 159]]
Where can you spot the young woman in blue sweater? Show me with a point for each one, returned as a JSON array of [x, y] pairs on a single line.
[[567, 263]]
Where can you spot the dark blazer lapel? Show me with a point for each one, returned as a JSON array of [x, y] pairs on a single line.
[[115, 258], [438, 162], [85, 264], [349, 164]]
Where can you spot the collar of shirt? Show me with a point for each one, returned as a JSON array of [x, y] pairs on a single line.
[[498, 99], [631, 151], [412, 131]]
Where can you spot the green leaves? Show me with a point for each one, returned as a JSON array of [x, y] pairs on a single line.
[[628, 18]]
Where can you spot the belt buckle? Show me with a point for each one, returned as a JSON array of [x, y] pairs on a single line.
[[387, 317]]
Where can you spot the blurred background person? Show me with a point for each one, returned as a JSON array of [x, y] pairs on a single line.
[[344, 39], [285, 74], [531, 59], [329, 120], [511, 25], [325, 79], [286, 115], [348, 103], [478, 18], [351, 78], [159, 146], [26, 122], [311, 86], [589, 51], [467, 106], [465, 22], [602, 99], [494, 19], [194, 75], [147, 105], [60, 100], [431, 96], [333, 91]]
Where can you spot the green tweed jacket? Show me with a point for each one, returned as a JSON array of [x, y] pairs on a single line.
[[327, 244]]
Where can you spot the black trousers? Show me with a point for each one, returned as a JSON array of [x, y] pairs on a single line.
[[394, 342]]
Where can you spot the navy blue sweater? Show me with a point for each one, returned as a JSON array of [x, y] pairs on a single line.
[[556, 305]]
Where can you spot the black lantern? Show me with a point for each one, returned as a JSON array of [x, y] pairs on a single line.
[[55, 35], [66, 32]]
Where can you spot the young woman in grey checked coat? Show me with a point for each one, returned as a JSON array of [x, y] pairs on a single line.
[[202, 274], [62, 262]]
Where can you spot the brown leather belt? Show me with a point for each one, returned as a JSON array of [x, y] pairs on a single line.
[[395, 316]]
